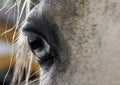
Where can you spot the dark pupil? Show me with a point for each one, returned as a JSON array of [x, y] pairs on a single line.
[[38, 43]]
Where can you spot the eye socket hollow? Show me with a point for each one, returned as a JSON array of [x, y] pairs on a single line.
[[38, 45]]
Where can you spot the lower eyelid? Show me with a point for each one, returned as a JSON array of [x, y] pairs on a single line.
[[39, 53]]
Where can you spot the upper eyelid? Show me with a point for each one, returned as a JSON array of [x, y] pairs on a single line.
[[29, 28]]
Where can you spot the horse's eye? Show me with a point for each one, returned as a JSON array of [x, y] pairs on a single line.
[[38, 45]]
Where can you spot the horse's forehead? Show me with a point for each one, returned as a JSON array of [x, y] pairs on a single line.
[[65, 9]]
